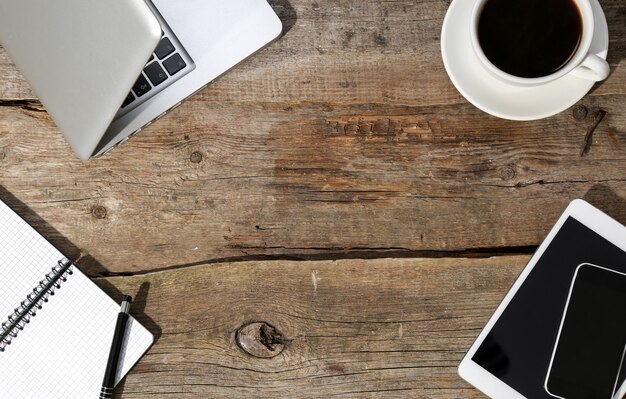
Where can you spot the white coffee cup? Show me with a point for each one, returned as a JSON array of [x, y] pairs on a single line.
[[583, 64]]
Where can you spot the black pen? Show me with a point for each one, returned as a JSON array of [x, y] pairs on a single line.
[[116, 347]]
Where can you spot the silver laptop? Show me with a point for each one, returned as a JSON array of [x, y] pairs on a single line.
[[104, 70]]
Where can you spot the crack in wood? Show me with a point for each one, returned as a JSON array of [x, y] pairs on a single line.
[[27, 105], [332, 254], [589, 136]]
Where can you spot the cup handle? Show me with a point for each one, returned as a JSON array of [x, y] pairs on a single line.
[[592, 68]]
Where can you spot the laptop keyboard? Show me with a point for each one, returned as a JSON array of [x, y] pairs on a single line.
[[165, 64]]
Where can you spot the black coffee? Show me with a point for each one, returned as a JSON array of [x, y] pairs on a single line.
[[530, 38]]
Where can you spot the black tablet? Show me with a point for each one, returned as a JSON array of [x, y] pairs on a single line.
[[560, 331]]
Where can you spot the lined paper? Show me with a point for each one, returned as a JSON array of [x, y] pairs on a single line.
[[62, 352]]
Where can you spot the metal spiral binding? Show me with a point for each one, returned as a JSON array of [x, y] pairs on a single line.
[[33, 302]]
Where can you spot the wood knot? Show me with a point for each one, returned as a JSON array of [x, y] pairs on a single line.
[[3, 155], [196, 157], [260, 340], [507, 173], [580, 112], [99, 212]]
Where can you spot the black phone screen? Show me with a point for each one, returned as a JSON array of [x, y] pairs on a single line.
[[518, 348], [591, 344]]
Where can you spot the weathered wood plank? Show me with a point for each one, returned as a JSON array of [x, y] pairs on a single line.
[[354, 328], [341, 51], [345, 136], [308, 180]]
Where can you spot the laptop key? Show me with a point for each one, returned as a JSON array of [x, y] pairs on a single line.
[[174, 64], [129, 99], [155, 73], [164, 48], [142, 86]]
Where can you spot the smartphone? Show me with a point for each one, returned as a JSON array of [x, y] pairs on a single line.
[[590, 345]]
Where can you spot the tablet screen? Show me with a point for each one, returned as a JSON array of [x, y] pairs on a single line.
[[519, 347]]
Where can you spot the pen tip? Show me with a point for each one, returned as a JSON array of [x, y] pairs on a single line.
[[127, 298]]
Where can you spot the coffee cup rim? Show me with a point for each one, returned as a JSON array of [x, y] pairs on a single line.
[[584, 6]]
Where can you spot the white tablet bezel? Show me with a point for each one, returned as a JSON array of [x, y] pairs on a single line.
[[591, 217]]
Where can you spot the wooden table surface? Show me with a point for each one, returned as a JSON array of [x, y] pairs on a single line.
[[336, 190]]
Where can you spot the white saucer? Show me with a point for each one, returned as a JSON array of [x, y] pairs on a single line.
[[501, 99]]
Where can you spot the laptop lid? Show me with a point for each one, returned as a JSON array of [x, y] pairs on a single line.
[[81, 58]]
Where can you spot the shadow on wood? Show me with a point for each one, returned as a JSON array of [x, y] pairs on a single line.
[[137, 310], [285, 12], [602, 197], [86, 263]]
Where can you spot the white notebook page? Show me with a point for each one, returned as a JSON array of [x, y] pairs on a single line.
[[62, 352]]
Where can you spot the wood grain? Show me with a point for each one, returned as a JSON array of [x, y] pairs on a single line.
[[343, 52], [343, 139], [353, 328], [309, 182]]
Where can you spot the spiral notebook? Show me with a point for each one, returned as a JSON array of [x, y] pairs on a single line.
[[56, 324]]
